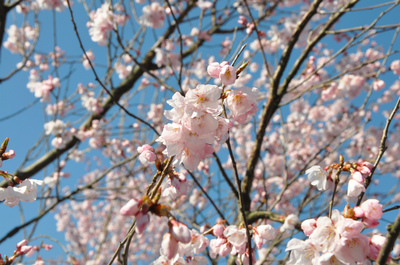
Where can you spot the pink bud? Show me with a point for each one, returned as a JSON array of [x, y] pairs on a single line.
[[131, 208], [169, 246], [25, 249], [214, 69], [228, 75], [368, 165], [142, 219], [267, 232], [145, 147], [309, 226], [22, 243], [218, 230], [181, 232], [357, 176], [10, 154]]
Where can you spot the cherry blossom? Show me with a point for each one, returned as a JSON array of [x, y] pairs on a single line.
[[147, 154], [153, 16], [242, 103], [101, 22], [318, 177]]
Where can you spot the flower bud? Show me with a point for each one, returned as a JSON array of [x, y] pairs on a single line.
[[180, 231], [130, 208], [169, 246]]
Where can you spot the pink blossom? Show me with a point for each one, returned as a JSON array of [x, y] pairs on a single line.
[[357, 176], [261, 232], [204, 97], [22, 247], [351, 85], [202, 4], [290, 222], [375, 246], [353, 249], [395, 67], [242, 20], [221, 133], [43, 89], [329, 258], [11, 195], [58, 5], [153, 16], [201, 123], [228, 75], [39, 261], [326, 234], [349, 228], [178, 186], [244, 258], [365, 168], [237, 237], [220, 246], [378, 84], [18, 38], [267, 232], [178, 104], [54, 127], [101, 23], [199, 242], [370, 223], [242, 103], [250, 28], [85, 61]]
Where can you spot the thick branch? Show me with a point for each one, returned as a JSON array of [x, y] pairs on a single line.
[[393, 233], [277, 92]]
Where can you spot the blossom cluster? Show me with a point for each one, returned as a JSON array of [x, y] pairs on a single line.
[[323, 180], [356, 182], [153, 16], [23, 249], [233, 240], [59, 129], [102, 21], [335, 240], [197, 125], [181, 242], [18, 40]]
